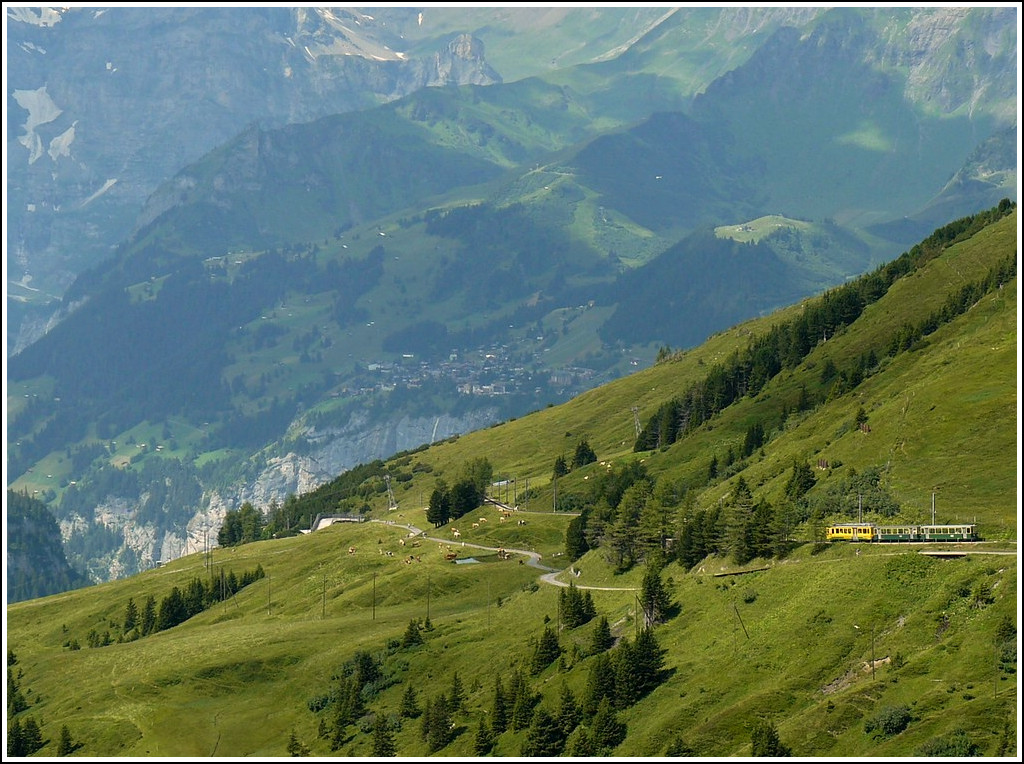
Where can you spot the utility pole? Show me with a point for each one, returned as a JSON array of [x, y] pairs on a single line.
[[933, 507], [373, 609]]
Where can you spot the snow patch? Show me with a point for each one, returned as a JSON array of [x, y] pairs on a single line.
[[41, 110], [61, 145]]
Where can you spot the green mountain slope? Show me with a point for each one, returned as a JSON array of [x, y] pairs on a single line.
[[306, 298], [841, 649]]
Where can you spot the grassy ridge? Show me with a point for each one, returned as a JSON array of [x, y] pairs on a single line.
[[791, 642]]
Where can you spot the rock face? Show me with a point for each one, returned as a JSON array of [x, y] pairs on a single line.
[[142, 544]]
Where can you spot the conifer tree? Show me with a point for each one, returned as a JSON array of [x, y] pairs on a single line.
[[580, 743], [602, 638], [383, 737], [131, 616], [600, 684], [65, 746], [499, 708], [15, 739], [764, 741], [456, 694], [607, 729], [409, 708], [655, 600], [544, 736], [439, 723], [483, 741], [569, 713], [546, 652], [148, 622]]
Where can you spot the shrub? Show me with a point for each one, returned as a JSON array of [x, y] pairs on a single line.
[[890, 720]]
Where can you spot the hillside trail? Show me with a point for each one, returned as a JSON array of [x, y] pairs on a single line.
[[533, 558]]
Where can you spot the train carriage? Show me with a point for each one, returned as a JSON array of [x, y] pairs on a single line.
[[961, 532], [851, 532], [898, 533]]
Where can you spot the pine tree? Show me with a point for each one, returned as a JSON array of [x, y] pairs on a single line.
[[649, 659], [600, 684], [66, 745], [569, 713], [654, 598], [575, 538], [409, 708], [383, 737], [602, 638], [546, 652], [580, 743], [439, 508], [764, 741], [15, 739], [584, 455], [412, 635], [606, 728], [457, 695], [629, 680], [589, 610], [544, 736], [741, 509], [522, 700], [296, 746], [499, 708], [131, 616], [439, 726], [483, 741], [148, 624]]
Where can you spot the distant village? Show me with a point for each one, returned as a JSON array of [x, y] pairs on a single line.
[[496, 370]]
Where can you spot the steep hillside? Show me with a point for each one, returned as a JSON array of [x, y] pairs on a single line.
[[35, 562], [363, 639], [312, 296]]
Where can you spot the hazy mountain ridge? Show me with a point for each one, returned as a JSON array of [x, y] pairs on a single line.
[[287, 269]]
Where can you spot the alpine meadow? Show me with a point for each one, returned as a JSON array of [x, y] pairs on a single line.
[[512, 382]]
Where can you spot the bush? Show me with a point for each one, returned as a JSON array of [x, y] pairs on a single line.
[[954, 745], [890, 720]]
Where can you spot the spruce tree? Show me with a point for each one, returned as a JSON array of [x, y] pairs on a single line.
[[483, 741], [655, 600], [499, 708], [412, 635], [148, 622], [66, 745], [629, 681], [580, 743], [131, 616], [457, 695], [606, 728], [383, 737], [15, 739], [600, 684], [602, 638], [409, 708], [569, 713], [439, 726], [764, 741], [546, 652], [544, 736]]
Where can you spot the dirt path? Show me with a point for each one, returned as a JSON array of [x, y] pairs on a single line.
[[533, 558]]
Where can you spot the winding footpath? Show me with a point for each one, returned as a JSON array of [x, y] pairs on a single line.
[[533, 558]]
